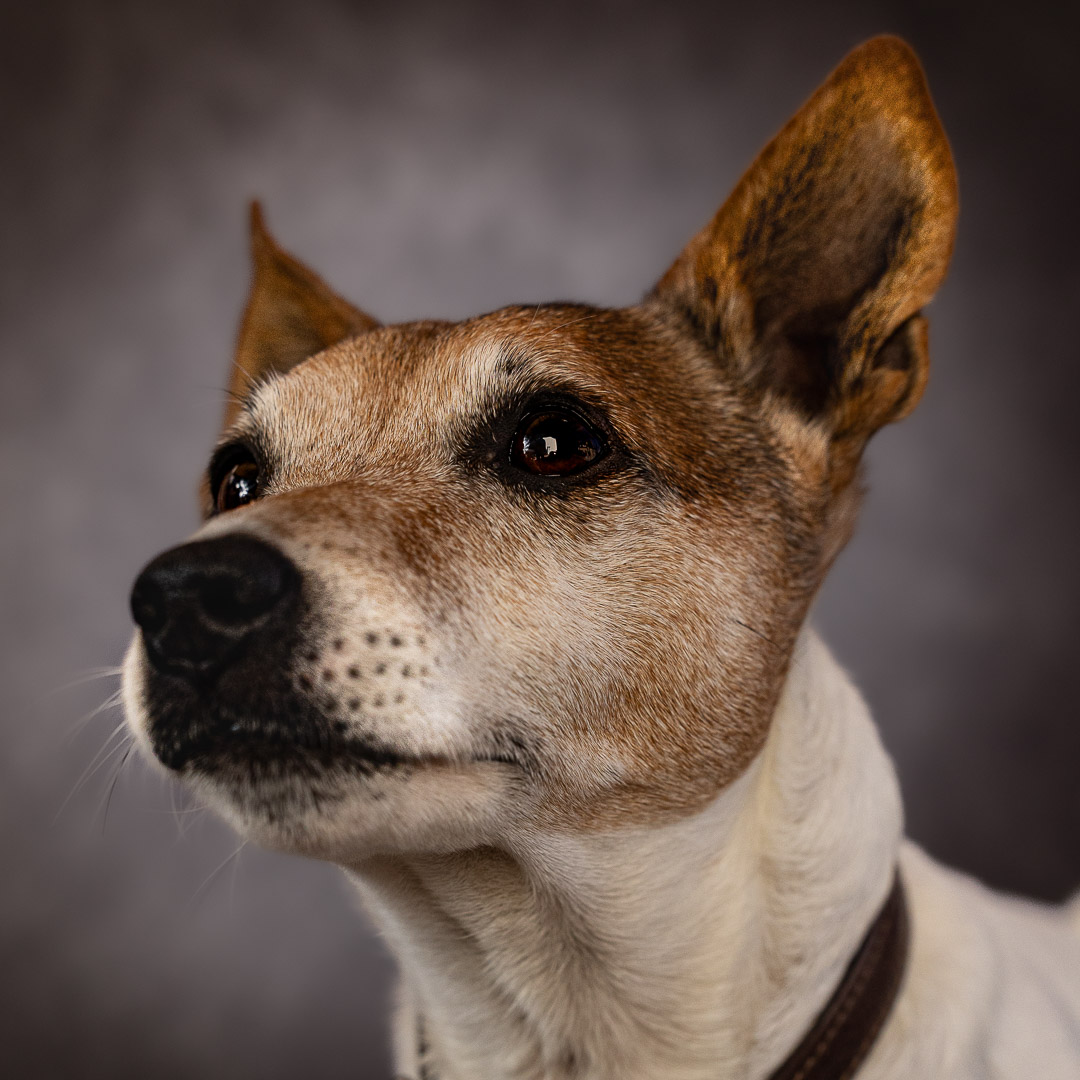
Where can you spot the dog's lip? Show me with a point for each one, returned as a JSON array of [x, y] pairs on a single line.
[[212, 751]]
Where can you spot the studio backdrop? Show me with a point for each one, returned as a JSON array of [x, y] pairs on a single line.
[[437, 161]]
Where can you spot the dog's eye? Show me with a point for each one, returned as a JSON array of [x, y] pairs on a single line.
[[556, 442], [238, 479]]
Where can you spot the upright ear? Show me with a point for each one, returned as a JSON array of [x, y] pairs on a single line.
[[291, 314], [810, 278]]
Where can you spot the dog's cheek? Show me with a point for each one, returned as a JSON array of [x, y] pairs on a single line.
[[635, 668]]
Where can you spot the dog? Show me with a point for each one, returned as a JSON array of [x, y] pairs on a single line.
[[507, 618]]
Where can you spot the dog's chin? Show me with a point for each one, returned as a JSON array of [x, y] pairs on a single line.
[[345, 815]]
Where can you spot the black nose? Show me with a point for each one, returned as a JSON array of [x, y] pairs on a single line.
[[200, 603]]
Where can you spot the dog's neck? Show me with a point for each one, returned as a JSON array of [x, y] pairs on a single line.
[[703, 949]]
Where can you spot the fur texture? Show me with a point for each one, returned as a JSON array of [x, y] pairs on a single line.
[[617, 811]]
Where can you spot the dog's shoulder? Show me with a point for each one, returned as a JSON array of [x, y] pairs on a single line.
[[992, 982]]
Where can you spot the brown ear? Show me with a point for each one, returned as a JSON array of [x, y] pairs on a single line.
[[291, 314], [810, 278]]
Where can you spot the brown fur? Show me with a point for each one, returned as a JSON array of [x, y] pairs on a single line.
[[290, 315], [547, 723], [630, 632]]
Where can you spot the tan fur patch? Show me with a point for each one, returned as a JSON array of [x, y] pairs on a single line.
[[607, 649]]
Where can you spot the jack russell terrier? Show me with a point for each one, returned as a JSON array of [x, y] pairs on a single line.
[[506, 617]]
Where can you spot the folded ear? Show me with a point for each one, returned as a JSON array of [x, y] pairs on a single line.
[[809, 279], [291, 314]]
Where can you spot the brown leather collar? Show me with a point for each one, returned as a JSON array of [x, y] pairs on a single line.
[[846, 1028]]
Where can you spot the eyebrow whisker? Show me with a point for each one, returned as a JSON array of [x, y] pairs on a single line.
[[570, 322]]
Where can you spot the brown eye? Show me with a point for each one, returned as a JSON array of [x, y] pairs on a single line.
[[239, 483], [556, 443]]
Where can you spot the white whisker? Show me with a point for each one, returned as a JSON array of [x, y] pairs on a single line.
[[563, 326], [103, 808], [215, 872], [108, 751], [90, 675], [111, 702]]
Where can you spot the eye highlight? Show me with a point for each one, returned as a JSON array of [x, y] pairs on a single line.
[[556, 442], [234, 478]]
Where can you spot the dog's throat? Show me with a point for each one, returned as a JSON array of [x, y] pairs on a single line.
[[847, 1027]]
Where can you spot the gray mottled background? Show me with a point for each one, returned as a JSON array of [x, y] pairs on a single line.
[[437, 161]]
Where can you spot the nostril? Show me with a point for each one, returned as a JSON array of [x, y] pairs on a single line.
[[240, 597]]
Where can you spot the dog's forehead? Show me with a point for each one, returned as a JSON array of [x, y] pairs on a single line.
[[410, 392], [370, 390]]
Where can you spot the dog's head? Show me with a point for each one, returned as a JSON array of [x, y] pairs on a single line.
[[545, 566]]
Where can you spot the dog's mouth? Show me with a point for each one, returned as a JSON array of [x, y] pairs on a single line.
[[271, 751], [287, 781], [295, 745], [280, 770]]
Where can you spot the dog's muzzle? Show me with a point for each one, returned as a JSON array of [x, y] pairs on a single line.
[[232, 634], [200, 605]]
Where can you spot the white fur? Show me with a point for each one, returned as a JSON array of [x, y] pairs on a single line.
[[705, 949]]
